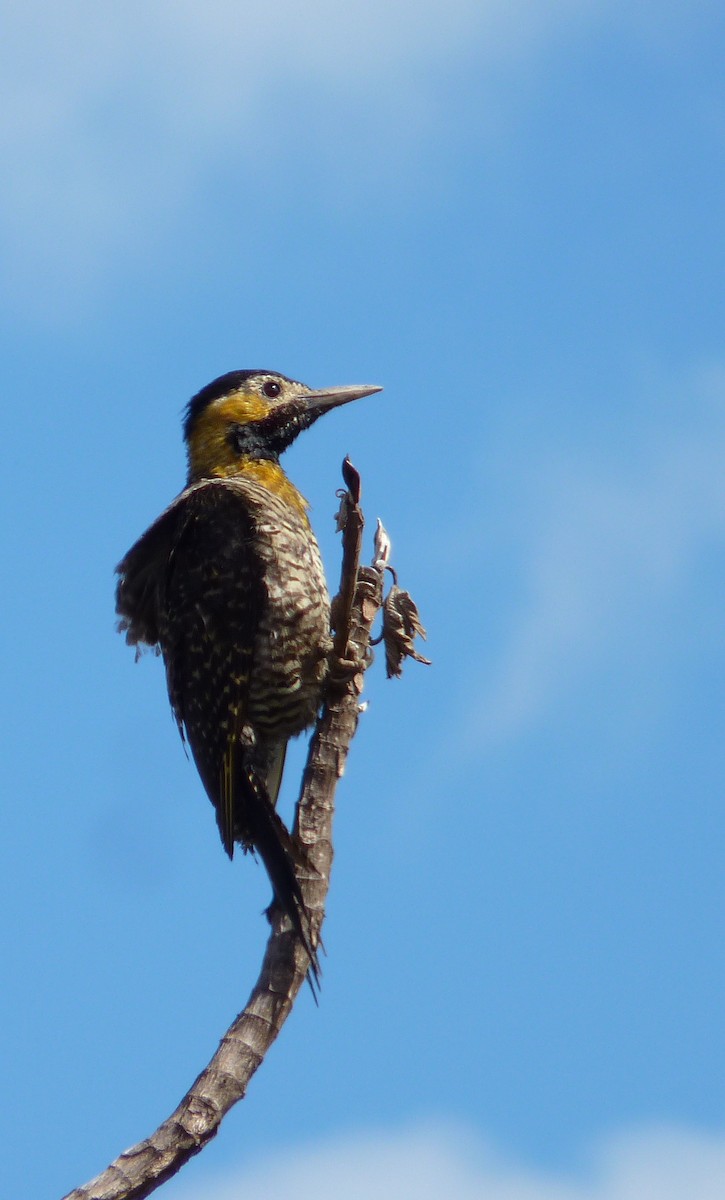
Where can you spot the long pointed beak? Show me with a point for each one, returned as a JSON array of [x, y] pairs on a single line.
[[323, 399]]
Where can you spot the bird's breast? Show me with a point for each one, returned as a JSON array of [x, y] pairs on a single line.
[[293, 641]]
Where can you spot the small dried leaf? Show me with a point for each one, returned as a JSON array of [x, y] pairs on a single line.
[[342, 513], [351, 475], [401, 626], [383, 547], [349, 496]]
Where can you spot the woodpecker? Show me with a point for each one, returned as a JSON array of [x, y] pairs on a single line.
[[228, 585]]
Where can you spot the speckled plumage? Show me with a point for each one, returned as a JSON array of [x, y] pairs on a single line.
[[228, 584]]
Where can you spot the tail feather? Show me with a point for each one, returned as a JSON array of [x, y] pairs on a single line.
[[280, 854], [275, 772]]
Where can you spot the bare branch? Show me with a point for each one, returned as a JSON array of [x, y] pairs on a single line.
[[140, 1170]]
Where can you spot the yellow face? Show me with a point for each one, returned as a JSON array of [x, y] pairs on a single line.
[[211, 452], [213, 455]]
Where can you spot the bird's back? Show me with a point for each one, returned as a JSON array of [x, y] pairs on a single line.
[[229, 580]]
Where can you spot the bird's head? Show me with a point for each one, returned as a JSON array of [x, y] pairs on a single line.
[[253, 415]]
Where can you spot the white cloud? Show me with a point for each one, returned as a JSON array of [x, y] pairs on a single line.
[[439, 1163], [608, 549]]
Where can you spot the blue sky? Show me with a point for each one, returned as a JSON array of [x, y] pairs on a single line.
[[510, 216]]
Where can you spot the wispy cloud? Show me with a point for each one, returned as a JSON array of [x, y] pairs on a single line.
[[428, 1163], [112, 117], [608, 548]]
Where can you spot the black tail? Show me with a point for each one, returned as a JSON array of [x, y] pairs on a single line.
[[279, 853]]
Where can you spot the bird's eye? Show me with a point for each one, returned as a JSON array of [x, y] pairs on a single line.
[[271, 389]]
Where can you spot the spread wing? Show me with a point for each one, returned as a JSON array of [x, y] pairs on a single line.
[[142, 575]]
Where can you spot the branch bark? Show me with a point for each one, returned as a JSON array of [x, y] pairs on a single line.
[[140, 1170]]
